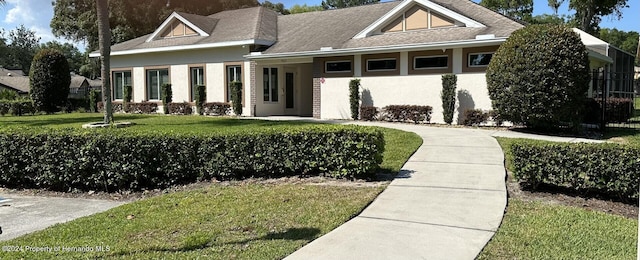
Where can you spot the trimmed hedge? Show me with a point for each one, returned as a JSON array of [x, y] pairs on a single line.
[[404, 113], [201, 97], [216, 108], [134, 108], [448, 95], [368, 113], [111, 160], [354, 98], [236, 97], [183, 108], [166, 96], [617, 110], [474, 117], [610, 169], [16, 107]]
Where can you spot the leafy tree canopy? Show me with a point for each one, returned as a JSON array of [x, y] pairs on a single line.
[[77, 19], [519, 9], [73, 55], [21, 48], [277, 7], [589, 13], [296, 9], [335, 4]]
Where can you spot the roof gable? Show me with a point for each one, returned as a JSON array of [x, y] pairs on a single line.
[[189, 28], [391, 19]]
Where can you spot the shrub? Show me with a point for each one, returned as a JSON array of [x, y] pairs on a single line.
[[167, 97], [216, 108], [610, 169], [17, 107], [404, 113], [127, 96], [94, 98], [539, 77], [143, 108], [354, 97], [448, 96], [112, 160], [368, 113], [74, 104], [201, 97], [236, 97], [49, 79], [495, 117], [6, 94], [474, 117], [617, 110], [180, 108]]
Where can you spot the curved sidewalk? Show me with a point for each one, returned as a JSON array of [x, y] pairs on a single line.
[[446, 203]]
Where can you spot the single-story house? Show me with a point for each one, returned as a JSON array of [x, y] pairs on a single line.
[[78, 88], [19, 84], [301, 64]]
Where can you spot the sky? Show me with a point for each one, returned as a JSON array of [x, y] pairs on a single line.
[[36, 15]]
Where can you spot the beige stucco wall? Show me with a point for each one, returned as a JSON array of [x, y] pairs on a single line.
[[178, 63], [404, 90]]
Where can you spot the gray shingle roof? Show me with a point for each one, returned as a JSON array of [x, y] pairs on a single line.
[[19, 83], [77, 81], [256, 23], [336, 28]]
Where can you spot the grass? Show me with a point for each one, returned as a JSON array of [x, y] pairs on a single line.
[[536, 230], [250, 221], [242, 221]]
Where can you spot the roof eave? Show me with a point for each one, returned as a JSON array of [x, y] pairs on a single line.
[[364, 50], [188, 47]]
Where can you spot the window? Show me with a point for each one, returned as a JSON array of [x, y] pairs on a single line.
[[155, 79], [381, 64], [120, 79], [197, 79], [430, 62], [234, 73], [337, 66], [480, 59], [270, 84]]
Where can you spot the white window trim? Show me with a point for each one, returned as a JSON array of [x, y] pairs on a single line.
[[430, 68], [114, 83], [270, 101], [379, 59], [337, 61], [478, 53]]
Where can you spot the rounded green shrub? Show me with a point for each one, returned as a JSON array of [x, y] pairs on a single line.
[[539, 77], [49, 78]]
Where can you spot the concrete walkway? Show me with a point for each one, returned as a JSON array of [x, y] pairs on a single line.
[[447, 202], [20, 215]]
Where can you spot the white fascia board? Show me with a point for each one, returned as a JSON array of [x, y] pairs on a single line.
[[406, 47], [405, 5], [186, 47], [166, 22]]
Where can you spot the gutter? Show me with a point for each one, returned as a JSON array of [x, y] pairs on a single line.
[[328, 51], [186, 47]]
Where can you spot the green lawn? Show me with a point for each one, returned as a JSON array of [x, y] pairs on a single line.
[[537, 230], [241, 221], [219, 222]]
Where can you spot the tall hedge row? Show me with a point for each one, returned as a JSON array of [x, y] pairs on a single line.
[[111, 160], [610, 169]]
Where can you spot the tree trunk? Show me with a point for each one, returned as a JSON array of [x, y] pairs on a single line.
[[104, 35]]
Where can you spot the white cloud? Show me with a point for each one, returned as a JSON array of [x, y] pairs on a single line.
[[20, 13]]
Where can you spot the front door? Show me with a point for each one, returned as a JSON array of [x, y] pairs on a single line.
[[289, 83]]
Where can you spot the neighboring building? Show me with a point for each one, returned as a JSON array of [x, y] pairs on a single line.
[[79, 87], [301, 64], [19, 84]]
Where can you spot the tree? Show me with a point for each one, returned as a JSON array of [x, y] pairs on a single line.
[[22, 48], [296, 9], [278, 8], [336, 4], [518, 9], [549, 19], [555, 5], [74, 57], [104, 34], [539, 77], [627, 41], [76, 19], [589, 13], [49, 79]]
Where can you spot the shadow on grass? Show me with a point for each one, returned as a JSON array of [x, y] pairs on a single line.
[[64, 119], [202, 241], [621, 132]]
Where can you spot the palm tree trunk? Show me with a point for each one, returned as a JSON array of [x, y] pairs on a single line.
[[104, 35]]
